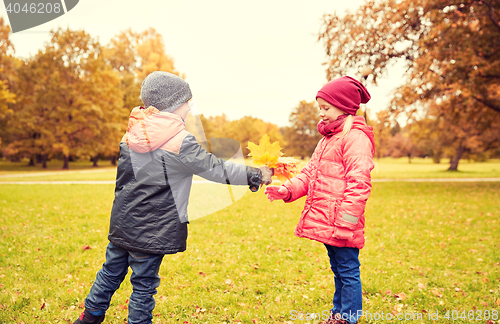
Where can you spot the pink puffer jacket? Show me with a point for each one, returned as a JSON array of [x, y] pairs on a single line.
[[337, 183]]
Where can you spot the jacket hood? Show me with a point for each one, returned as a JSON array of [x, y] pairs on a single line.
[[360, 123], [149, 129]]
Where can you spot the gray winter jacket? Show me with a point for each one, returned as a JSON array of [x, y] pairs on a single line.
[[158, 159]]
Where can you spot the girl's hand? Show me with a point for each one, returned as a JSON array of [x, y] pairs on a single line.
[[276, 192]]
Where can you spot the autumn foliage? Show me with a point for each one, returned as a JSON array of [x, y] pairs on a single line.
[[72, 99], [451, 49]]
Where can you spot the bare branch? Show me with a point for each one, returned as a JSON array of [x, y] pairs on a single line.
[[488, 104], [491, 14]]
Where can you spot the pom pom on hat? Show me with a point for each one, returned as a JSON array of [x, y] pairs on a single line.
[[344, 93]]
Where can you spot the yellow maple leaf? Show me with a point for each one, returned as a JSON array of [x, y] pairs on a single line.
[[266, 153]]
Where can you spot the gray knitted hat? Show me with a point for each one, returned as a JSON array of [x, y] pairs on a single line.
[[164, 91]]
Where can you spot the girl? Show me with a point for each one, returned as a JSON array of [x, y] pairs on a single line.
[[337, 183]]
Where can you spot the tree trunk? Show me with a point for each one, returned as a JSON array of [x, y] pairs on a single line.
[[454, 161], [436, 156], [95, 159], [113, 160], [44, 161], [32, 161], [409, 158], [66, 162]]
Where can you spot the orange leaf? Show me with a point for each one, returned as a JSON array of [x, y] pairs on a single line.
[[286, 169]]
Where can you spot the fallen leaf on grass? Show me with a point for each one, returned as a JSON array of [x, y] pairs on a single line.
[[86, 247], [43, 306], [436, 293], [401, 296]]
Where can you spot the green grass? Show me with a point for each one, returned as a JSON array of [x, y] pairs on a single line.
[[8, 167], [388, 168], [437, 243], [385, 168]]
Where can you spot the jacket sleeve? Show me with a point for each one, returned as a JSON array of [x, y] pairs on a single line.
[[299, 186], [194, 159], [358, 162]]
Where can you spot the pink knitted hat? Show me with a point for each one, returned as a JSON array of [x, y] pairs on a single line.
[[345, 93]]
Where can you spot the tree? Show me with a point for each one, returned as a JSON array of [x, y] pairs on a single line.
[[250, 129], [382, 133], [451, 49], [7, 73], [71, 100], [243, 130], [303, 135], [134, 56], [401, 145]]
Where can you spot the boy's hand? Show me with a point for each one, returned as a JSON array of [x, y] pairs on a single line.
[[276, 192], [266, 175]]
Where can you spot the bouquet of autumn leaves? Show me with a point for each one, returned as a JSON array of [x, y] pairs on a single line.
[[267, 153]]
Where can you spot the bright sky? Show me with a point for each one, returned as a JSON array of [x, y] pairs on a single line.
[[257, 58]]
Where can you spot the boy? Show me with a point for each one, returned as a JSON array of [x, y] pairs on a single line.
[[158, 158]]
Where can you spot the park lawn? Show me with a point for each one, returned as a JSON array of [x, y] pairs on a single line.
[[107, 174], [8, 167], [385, 168], [430, 247], [389, 168]]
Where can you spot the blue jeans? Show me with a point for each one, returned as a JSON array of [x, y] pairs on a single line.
[[144, 279], [348, 297]]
